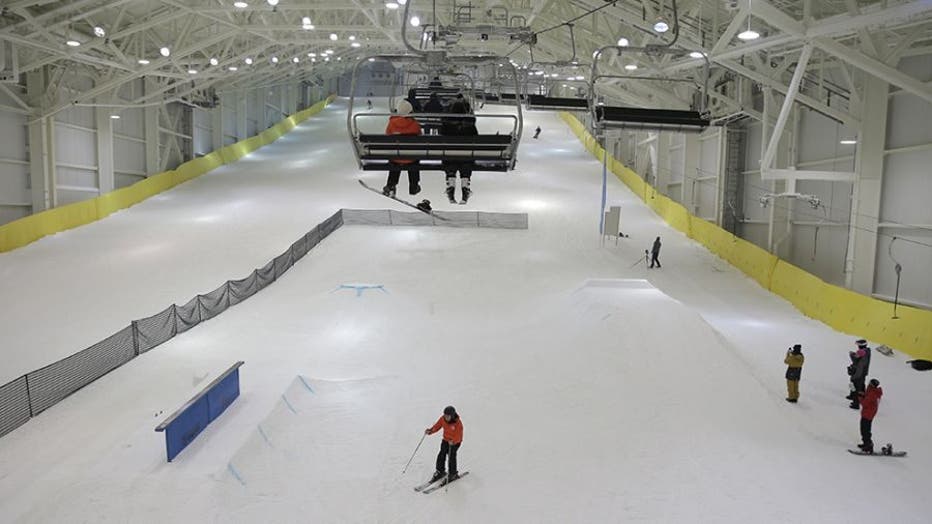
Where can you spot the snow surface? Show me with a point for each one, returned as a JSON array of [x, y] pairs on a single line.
[[590, 390]]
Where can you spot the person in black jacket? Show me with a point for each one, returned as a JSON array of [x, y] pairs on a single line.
[[859, 368], [655, 254], [794, 369], [458, 127]]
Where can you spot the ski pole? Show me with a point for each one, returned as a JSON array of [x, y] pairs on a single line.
[[413, 454]]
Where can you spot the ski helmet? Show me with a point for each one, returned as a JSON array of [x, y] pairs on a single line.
[[449, 410]]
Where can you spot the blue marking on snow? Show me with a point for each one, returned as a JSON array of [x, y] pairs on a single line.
[[360, 288], [303, 381], [235, 473], [264, 436], [289, 404]]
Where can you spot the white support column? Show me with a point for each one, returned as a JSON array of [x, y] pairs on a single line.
[[151, 124], [690, 172], [283, 99], [771, 151], [216, 126], [261, 114], [41, 153], [105, 176], [865, 205], [241, 115], [720, 171]]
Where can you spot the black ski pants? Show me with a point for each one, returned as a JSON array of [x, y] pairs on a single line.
[[447, 449], [655, 259], [414, 176], [866, 434], [858, 390]]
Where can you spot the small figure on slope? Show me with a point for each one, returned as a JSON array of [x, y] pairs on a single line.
[[537, 132], [794, 369], [655, 254], [452, 438], [859, 368], [870, 399], [369, 104]]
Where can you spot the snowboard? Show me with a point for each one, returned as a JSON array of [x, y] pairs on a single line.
[[400, 200], [875, 454]]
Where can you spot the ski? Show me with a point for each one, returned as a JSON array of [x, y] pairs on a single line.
[[894, 454], [400, 201], [424, 486], [443, 482]]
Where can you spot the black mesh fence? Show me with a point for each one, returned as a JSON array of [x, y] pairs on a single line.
[[33, 393]]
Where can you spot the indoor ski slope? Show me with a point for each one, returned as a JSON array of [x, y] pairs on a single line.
[[590, 390]]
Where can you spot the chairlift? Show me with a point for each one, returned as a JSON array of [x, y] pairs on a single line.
[[605, 117], [487, 152]]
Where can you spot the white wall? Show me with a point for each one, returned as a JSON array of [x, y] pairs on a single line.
[[15, 198]]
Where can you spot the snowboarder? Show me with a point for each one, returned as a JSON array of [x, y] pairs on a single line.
[[655, 254], [860, 366], [537, 132], [369, 104], [869, 401], [402, 124], [794, 362], [458, 127], [452, 439]]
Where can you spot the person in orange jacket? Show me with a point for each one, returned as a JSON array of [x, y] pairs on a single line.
[[452, 439], [402, 124]]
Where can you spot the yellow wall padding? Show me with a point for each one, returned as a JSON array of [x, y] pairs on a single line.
[[33, 227], [840, 308]]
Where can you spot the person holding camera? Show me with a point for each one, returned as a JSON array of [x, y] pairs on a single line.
[[794, 368]]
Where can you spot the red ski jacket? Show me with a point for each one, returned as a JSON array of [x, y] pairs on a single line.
[[402, 125], [869, 401], [452, 431]]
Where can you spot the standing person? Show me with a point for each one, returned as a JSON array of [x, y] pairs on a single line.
[[402, 124], [369, 104], [860, 367], [655, 254], [452, 439], [537, 132], [458, 127], [794, 369], [870, 399]]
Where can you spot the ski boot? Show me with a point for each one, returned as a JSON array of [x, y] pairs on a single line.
[[437, 476], [414, 189], [453, 476], [466, 193], [451, 189], [389, 191], [424, 206]]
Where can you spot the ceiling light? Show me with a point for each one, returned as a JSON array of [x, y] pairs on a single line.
[[554, 75], [114, 117], [696, 54], [313, 60], [192, 71], [248, 61], [564, 85], [274, 59], [308, 27], [327, 59], [339, 58], [233, 68], [848, 141], [72, 43], [661, 26], [312, 54], [391, 5], [214, 61], [165, 51], [355, 44], [749, 34], [296, 60], [372, 59], [402, 2], [328, 52], [352, 37], [142, 61], [272, 3], [334, 37], [415, 21], [240, 5], [631, 67], [100, 32], [622, 42], [306, 20], [538, 73]]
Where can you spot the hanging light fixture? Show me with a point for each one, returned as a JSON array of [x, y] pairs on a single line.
[[214, 61], [165, 51], [661, 25], [749, 34], [696, 54], [415, 21], [623, 42]]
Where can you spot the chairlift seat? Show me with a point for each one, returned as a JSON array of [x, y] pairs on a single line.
[[657, 119], [547, 103], [486, 152]]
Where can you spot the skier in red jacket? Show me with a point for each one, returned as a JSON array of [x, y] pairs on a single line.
[[452, 438], [870, 398]]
